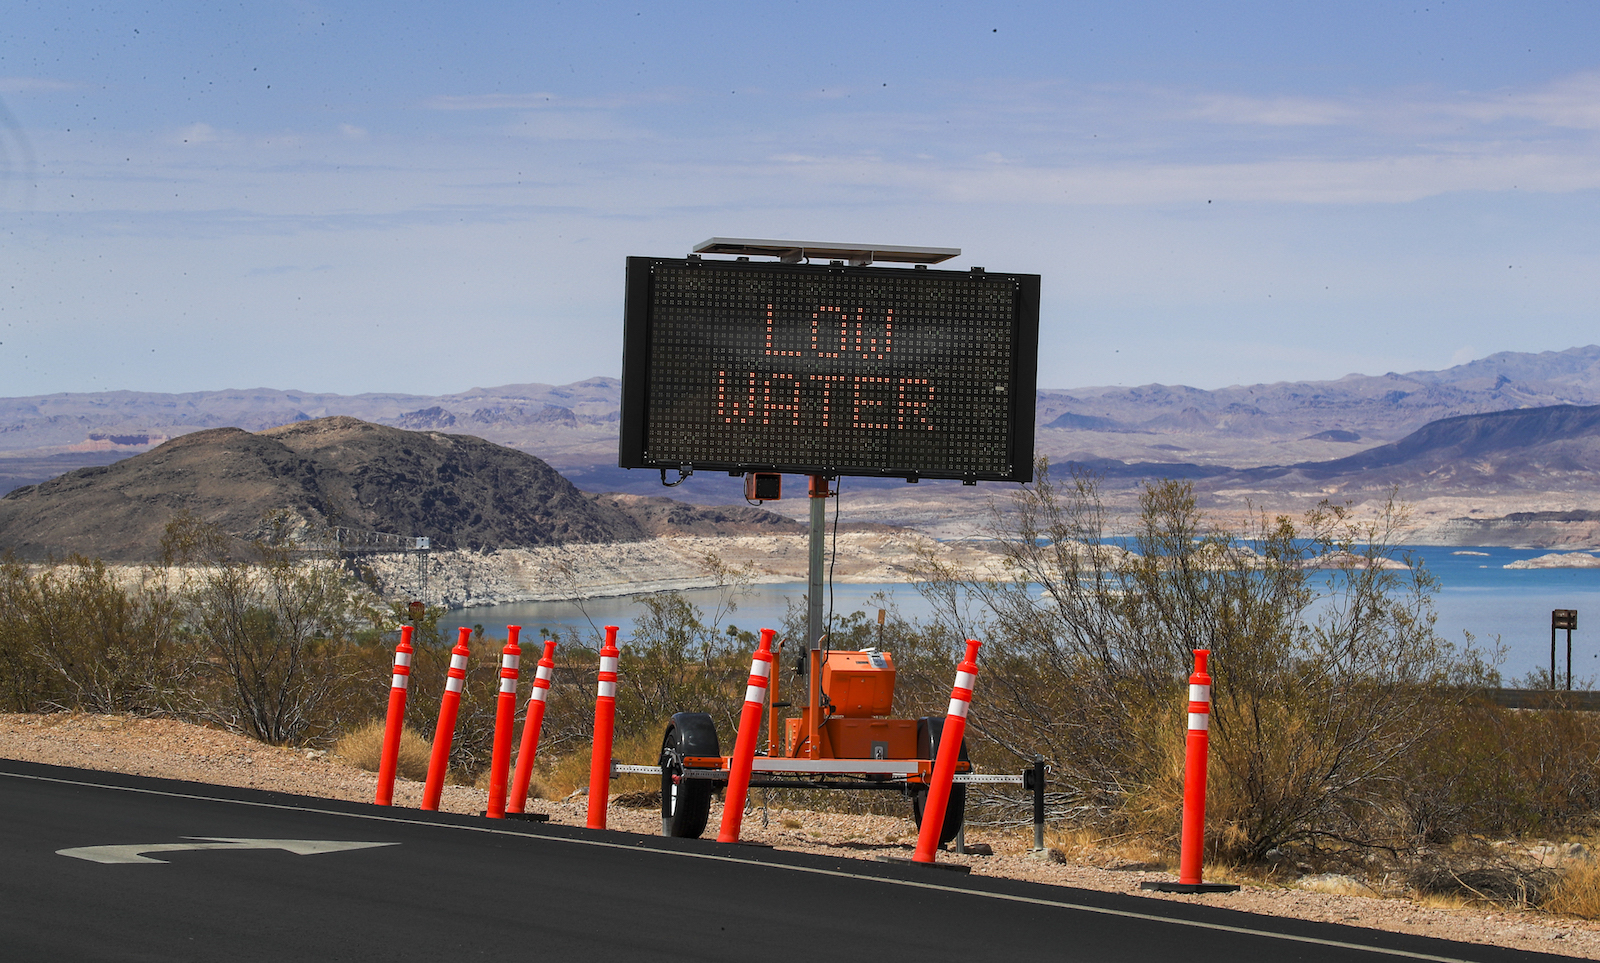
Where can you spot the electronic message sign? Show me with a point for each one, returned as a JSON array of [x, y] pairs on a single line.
[[829, 370]]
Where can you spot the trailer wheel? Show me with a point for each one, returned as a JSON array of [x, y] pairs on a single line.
[[955, 813], [686, 803]]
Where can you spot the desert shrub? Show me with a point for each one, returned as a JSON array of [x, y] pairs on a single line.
[[1497, 771], [1474, 872], [292, 640], [73, 637], [678, 661], [1326, 668]]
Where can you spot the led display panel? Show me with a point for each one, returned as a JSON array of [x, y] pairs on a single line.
[[829, 370]]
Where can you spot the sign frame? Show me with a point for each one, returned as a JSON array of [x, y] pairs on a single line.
[[639, 367]]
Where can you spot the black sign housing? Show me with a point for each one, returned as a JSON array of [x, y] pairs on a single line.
[[746, 366]]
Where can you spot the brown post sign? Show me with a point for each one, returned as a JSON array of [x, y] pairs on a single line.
[[1562, 619]]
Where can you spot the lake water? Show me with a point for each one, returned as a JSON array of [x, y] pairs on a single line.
[[1477, 595]]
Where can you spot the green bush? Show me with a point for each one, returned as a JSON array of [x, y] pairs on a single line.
[[289, 636], [73, 637]]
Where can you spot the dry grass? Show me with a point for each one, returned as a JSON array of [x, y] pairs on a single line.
[[1337, 884], [1087, 846], [363, 748], [1448, 901], [1577, 892], [558, 778]]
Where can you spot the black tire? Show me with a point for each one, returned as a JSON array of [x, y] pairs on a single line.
[[686, 803], [955, 813]]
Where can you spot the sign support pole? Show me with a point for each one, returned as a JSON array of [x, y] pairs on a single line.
[[1562, 619]]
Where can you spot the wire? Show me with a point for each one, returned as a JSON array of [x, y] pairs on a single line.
[[833, 558]]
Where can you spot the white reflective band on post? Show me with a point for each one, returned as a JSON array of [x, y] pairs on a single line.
[[964, 680], [538, 695], [957, 708], [511, 662], [1199, 693], [508, 685], [1200, 721], [452, 684], [755, 693], [400, 681], [608, 664], [458, 662], [608, 689], [402, 658], [762, 668], [543, 673]]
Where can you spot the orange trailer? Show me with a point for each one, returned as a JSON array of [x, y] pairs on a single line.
[[840, 738]]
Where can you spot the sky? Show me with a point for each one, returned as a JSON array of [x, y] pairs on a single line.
[[354, 197]]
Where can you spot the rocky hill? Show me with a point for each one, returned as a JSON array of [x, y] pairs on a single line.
[[459, 491], [1553, 447], [659, 516]]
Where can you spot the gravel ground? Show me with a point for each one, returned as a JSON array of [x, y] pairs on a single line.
[[174, 750]]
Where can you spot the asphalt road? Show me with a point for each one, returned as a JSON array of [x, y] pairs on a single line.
[[452, 887]]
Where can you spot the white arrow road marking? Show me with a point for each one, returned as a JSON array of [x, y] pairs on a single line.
[[131, 854]]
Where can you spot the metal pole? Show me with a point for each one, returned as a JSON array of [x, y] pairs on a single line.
[[1569, 660], [1553, 654], [819, 517], [1038, 803]]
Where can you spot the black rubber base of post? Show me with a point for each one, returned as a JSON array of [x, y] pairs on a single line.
[[529, 817], [1189, 888], [949, 867]]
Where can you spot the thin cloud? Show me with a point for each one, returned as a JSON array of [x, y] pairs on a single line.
[[23, 85], [1374, 180], [200, 133], [1274, 111], [540, 100], [1572, 102], [489, 101], [572, 125]]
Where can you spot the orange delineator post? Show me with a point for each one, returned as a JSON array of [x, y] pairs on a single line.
[[389, 761], [505, 723], [530, 729], [605, 718], [1192, 848], [744, 749], [1197, 746], [944, 765], [444, 734]]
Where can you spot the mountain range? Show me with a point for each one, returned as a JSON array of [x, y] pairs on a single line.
[[1359, 428]]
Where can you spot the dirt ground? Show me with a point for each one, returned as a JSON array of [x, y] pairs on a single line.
[[174, 750]]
